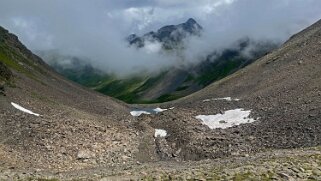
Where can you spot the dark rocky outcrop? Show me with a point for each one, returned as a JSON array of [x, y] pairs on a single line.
[[169, 36], [5, 72], [5, 76]]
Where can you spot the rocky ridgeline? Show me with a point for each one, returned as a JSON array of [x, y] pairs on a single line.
[[168, 35]]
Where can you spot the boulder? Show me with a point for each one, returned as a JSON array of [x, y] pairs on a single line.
[[85, 154]]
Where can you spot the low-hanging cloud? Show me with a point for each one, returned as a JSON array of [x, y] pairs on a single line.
[[97, 29]]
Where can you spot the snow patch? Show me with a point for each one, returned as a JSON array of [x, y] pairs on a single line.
[[138, 113], [225, 98], [23, 109], [206, 100], [218, 99], [158, 110], [160, 133], [228, 119]]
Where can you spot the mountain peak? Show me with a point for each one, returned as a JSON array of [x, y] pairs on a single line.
[[169, 35], [191, 21]]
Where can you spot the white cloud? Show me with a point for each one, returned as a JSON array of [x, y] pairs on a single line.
[[32, 33], [211, 8], [142, 16], [152, 47], [97, 29]]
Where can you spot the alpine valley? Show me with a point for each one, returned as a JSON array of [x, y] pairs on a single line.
[[170, 83], [250, 112]]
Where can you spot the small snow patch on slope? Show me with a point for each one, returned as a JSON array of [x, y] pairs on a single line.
[[218, 99], [228, 119], [158, 110], [138, 113], [23, 109], [160, 133], [226, 99]]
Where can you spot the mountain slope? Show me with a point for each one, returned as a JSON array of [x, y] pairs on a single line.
[[291, 70], [75, 123], [283, 92]]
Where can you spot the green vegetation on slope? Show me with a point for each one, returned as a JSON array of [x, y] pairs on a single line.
[[10, 62], [128, 89], [18, 62], [166, 86], [226, 68], [16, 56]]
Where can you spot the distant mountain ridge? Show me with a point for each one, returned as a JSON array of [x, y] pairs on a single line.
[[170, 84], [168, 35]]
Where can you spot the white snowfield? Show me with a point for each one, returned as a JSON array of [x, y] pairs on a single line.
[[228, 119], [137, 113], [23, 109], [160, 133], [158, 110], [217, 99]]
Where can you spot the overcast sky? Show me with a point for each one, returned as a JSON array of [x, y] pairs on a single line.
[[97, 28]]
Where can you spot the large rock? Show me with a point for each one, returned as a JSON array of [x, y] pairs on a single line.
[[85, 154], [5, 73], [2, 88]]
